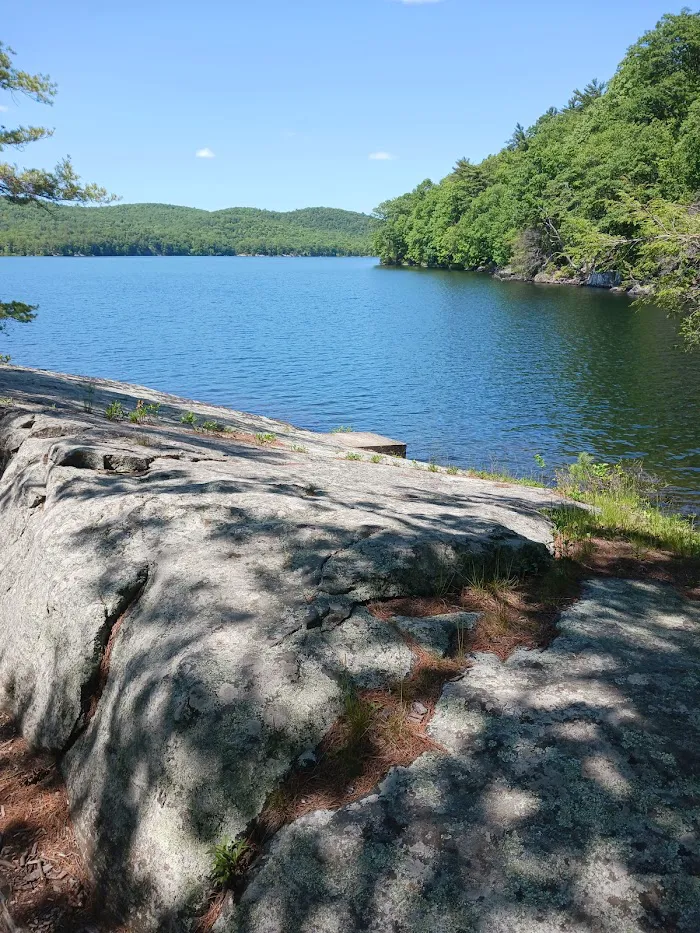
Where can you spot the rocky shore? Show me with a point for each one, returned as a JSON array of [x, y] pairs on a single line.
[[187, 609]]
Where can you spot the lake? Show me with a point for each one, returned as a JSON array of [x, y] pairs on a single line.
[[465, 369]]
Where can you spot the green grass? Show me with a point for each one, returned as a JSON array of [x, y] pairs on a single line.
[[626, 503], [263, 439], [342, 429], [229, 860], [452, 470], [353, 456], [300, 449], [5, 402], [376, 458]]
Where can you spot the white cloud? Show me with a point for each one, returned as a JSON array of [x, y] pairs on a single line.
[[3, 108], [205, 153], [381, 156]]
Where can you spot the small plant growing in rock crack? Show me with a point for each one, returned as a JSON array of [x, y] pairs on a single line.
[[264, 439], [189, 418], [452, 470], [342, 429], [115, 411], [88, 397], [353, 456], [4, 359], [433, 467], [214, 426], [144, 412], [230, 859], [299, 449], [377, 458], [5, 402]]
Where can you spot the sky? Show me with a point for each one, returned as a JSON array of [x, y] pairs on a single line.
[[283, 104]]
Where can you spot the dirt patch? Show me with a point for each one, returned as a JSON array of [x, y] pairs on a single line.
[[611, 557], [49, 887]]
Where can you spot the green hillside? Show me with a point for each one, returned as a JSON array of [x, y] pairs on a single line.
[[166, 230], [608, 183]]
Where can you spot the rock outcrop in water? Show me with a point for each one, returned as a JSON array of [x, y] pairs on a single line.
[[182, 613]]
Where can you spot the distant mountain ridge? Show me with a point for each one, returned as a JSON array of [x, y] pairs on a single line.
[[170, 230]]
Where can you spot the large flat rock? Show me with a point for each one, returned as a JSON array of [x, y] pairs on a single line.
[[567, 799], [180, 612]]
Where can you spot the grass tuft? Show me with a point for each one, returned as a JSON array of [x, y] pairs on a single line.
[[626, 502], [229, 861]]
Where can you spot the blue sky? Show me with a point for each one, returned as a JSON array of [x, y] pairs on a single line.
[[286, 102]]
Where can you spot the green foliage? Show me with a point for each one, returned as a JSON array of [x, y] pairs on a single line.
[[168, 230], [264, 439], [625, 501], [189, 418], [342, 429], [144, 412], [88, 397], [540, 461], [353, 456], [300, 449], [115, 411], [376, 458], [452, 470], [33, 186], [229, 861], [607, 184], [215, 427]]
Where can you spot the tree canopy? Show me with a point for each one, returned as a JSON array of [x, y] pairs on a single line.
[[167, 230], [608, 183], [23, 186]]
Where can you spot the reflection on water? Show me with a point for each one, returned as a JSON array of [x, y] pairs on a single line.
[[460, 366]]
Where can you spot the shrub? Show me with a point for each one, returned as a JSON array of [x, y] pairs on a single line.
[[189, 418], [263, 439], [144, 412], [115, 411]]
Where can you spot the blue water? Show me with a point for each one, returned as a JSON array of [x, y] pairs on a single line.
[[463, 368]]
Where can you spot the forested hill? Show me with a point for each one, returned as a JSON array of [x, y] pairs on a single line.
[[610, 182], [163, 229]]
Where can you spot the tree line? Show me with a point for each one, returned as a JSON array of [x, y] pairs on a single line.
[[609, 182], [167, 230]]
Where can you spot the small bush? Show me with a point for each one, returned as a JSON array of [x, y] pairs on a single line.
[[215, 427], [5, 402], [297, 448], [342, 429], [264, 439], [377, 458], [452, 470], [353, 456], [189, 418], [144, 412], [433, 467], [115, 411]]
